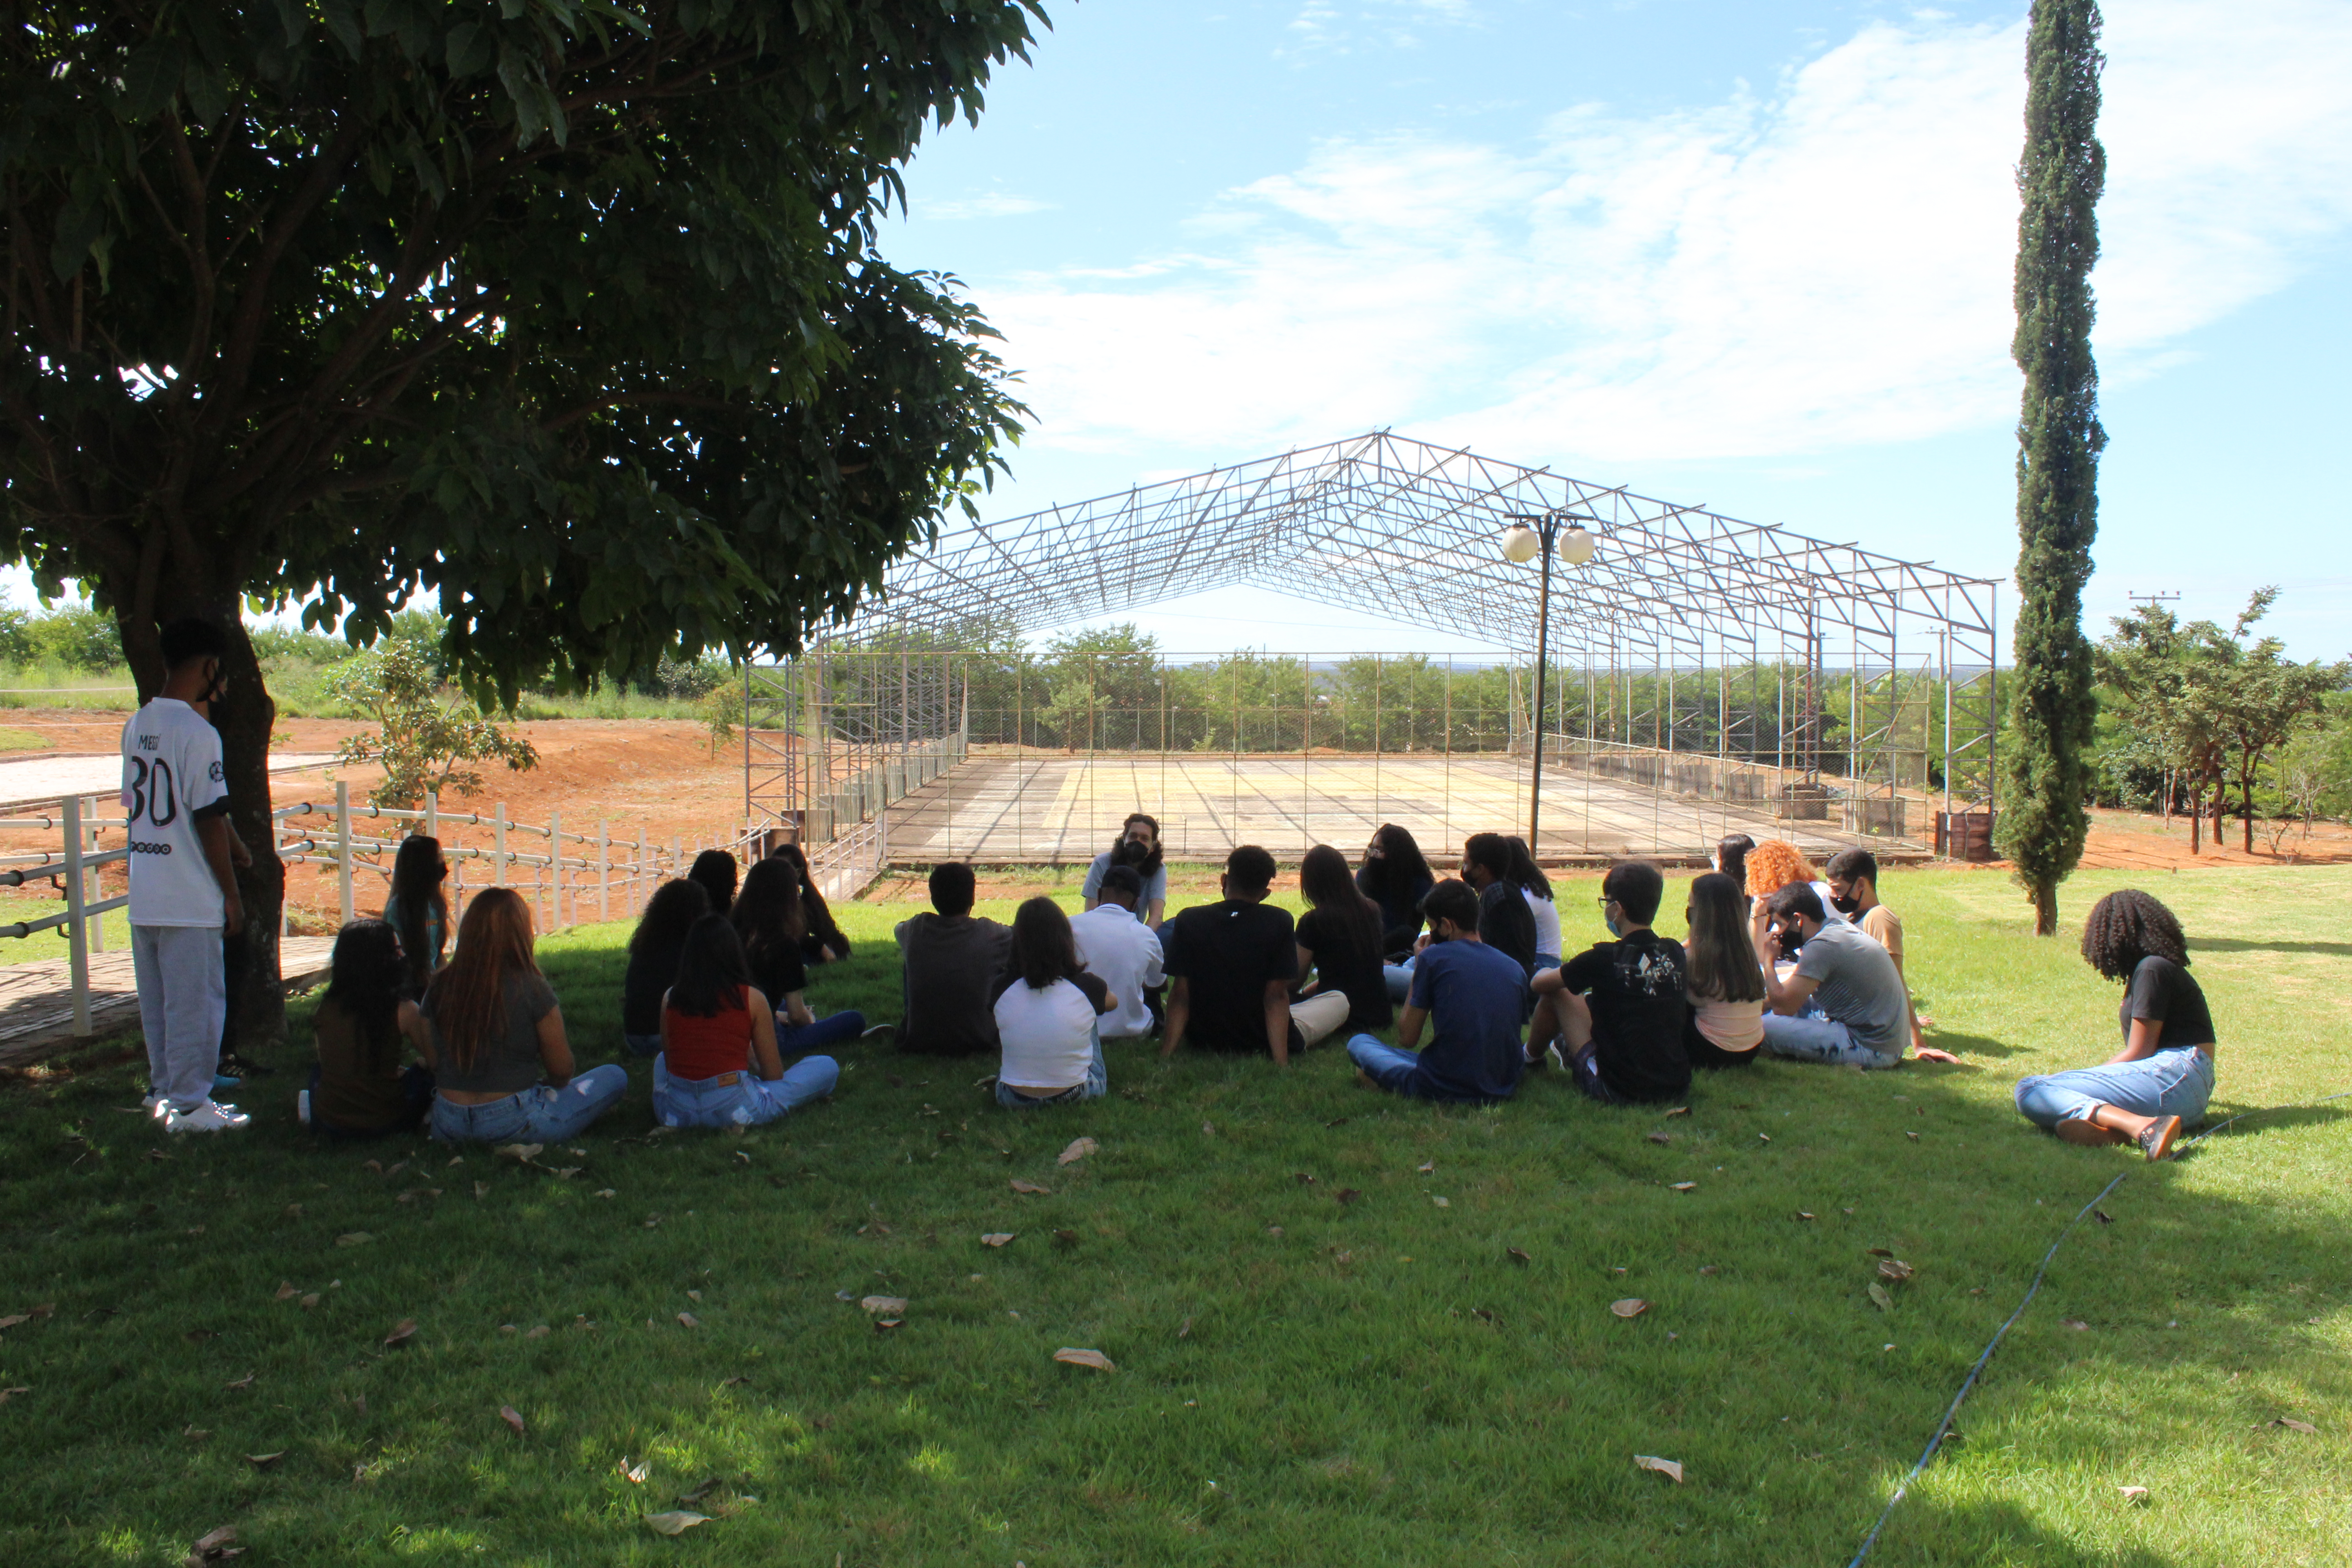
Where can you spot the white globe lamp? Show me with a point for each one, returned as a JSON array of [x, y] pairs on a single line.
[[1576, 546], [1520, 544]]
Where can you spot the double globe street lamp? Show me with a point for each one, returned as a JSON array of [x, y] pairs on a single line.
[[1521, 544]]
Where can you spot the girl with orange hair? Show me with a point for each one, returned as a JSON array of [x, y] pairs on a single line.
[[490, 1026]]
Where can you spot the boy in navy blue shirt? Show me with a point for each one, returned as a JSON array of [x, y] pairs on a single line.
[[1476, 993]]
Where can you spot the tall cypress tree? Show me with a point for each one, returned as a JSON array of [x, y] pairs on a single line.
[[2042, 823]]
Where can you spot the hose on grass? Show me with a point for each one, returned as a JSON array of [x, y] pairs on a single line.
[[1952, 1413]]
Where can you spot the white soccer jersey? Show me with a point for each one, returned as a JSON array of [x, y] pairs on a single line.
[[172, 779]]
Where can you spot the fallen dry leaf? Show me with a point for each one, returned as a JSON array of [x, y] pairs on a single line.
[[1428, 1170], [1031, 1189], [1679, 1110], [1670, 1469], [998, 1237], [884, 1325], [1348, 1194], [245, 1382], [1209, 1128], [694, 1295], [733, 1382], [1764, 1137], [1078, 1149], [2103, 1216], [695, 1494], [263, 1461], [13, 1318], [675, 1524], [526, 1152], [1065, 1238], [1441, 1203], [214, 1547], [481, 1189], [1631, 1307], [1683, 1186], [1894, 1269], [1516, 1255], [402, 1333], [636, 1472], [2076, 1323], [2134, 1494], [1878, 1252], [1803, 1215], [1184, 1332], [375, 1165], [1880, 1298], [2292, 1425], [1662, 1137], [688, 1321], [889, 1304], [1911, 1135], [512, 1417], [607, 1193], [1094, 1359], [286, 1292], [741, 1158], [353, 1238], [7, 1393], [539, 1333], [309, 1300], [1302, 1178], [1273, 1231], [1709, 1267]]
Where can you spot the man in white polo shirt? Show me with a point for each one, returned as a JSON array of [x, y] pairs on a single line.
[[1121, 950], [183, 888]]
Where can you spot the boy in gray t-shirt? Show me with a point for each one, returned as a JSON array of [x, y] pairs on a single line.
[[1854, 982]]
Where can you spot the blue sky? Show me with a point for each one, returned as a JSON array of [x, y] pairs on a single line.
[[1755, 255]]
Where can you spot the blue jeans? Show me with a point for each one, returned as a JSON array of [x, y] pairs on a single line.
[[1819, 1039], [815, 1037], [1390, 1067], [1400, 979], [750, 1101], [1097, 1084], [548, 1115], [643, 1045], [2176, 1082]]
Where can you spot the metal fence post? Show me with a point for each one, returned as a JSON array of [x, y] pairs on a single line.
[[637, 869], [604, 871], [432, 814], [343, 845], [555, 862], [96, 892], [498, 847], [76, 934]]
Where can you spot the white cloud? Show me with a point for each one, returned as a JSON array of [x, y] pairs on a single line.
[[1818, 267], [994, 205]]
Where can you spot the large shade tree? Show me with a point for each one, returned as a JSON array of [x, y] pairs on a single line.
[[2052, 712], [566, 309]]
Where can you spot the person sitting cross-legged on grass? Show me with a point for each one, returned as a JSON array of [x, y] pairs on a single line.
[[360, 1089], [1046, 1005], [1230, 965], [1618, 1008], [654, 949], [1475, 994], [1124, 952], [772, 919], [1853, 877], [491, 1027], [1721, 975], [1339, 941], [720, 1066], [1864, 1012], [950, 961], [2163, 1077]]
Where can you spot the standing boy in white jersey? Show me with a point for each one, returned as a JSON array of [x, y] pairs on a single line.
[[183, 889]]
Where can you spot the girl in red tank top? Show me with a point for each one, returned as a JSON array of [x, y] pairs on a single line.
[[713, 1022]]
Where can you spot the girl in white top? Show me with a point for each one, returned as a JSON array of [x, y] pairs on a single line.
[[1535, 888], [1045, 1009], [1721, 976]]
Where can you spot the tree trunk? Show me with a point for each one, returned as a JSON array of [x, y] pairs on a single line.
[[2220, 807], [2045, 910], [2246, 803], [2196, 816]]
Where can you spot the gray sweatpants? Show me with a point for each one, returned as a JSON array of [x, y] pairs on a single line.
[[183, 1003]]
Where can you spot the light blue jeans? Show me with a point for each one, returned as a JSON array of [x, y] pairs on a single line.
[[548, 1115], [1818, 1039], [2176, 1082], [1097, 1084], [1390, 1067], [750, 1101]]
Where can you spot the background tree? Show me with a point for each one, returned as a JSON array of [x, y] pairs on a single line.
[[567, 309], [2043, 822], [422, 741], [2261, 703]]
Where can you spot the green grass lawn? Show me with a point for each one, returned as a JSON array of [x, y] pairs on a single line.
[[1299, 1379]]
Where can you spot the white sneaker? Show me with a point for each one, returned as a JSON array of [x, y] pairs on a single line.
[[158, 1106], [207, 1118], [302, 1106]]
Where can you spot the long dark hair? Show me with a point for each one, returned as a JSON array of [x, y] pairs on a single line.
[[1721, 963], [715, 870], [769, 912], [364, 986], [1043, 951], [1731, 857], [1324, 877], [712, 972], [417, 874], [468, 999], [2126, 926], [1401, 864], [672, 911], [1524, 871], [816, 915]]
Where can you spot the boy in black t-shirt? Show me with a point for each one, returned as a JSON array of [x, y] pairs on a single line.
[[1230, 966], [1617, 1009]]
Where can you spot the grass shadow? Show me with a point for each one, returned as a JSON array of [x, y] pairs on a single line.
[[2245, 944], [1968, 1046]]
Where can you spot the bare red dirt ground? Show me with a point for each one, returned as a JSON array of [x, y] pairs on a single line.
[[663, 776]]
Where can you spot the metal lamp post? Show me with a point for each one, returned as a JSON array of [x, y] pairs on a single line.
[[1521, 544]]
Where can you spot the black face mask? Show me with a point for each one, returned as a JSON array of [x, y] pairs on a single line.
[[1845, 906]]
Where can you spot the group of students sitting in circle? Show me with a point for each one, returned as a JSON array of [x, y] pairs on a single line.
[[1776, 961]]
